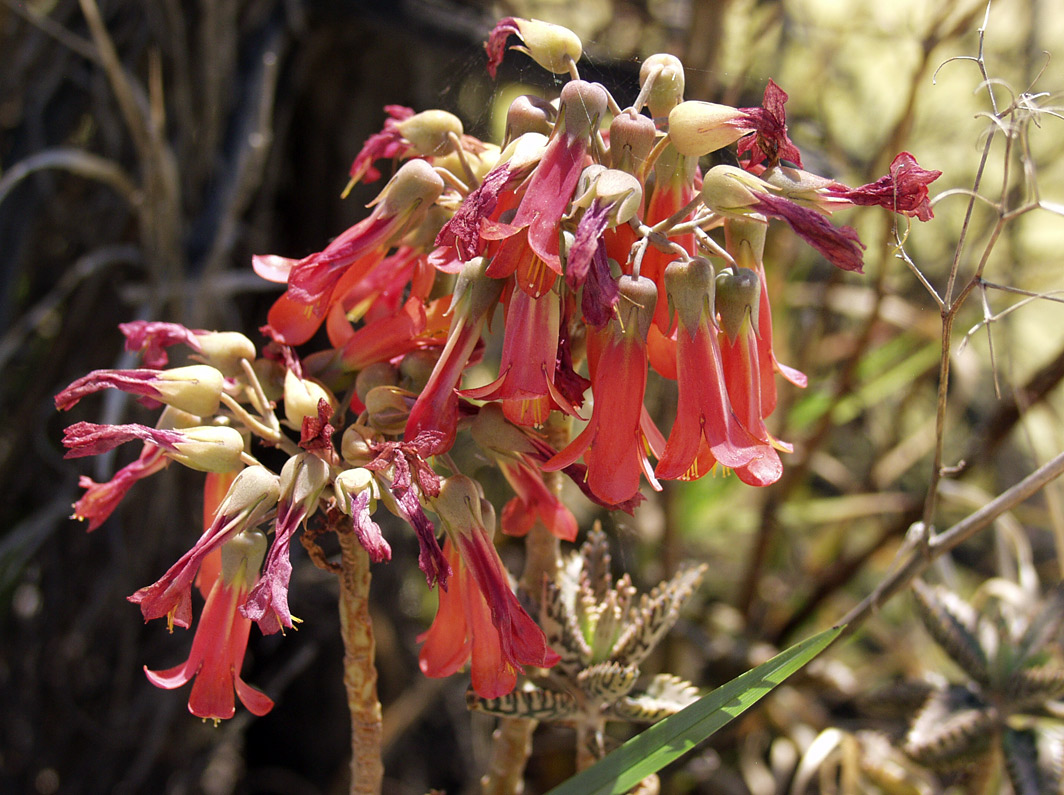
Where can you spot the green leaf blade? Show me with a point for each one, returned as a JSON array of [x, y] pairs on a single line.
[[651, 750]]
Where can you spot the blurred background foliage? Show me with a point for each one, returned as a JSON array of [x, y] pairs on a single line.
[[137, 180]]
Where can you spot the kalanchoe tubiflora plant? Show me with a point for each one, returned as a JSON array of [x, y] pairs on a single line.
[[1011, 655], [590, 237]]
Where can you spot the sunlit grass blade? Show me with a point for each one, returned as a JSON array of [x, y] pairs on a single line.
[[659, 745]]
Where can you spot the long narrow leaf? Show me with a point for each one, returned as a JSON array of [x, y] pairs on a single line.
[[651, 750]]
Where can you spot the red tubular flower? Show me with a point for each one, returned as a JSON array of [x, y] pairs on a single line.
[[706, 430], [738, 303], [525, 385], [252, 495], [312, 280], [221, 639], [614, 443], [436, 409], [100, 499], [303, 478], [479, 617], [554, 179], [745, 239]]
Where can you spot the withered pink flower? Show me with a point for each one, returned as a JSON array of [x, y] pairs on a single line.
[[903, 190], [101, 499]]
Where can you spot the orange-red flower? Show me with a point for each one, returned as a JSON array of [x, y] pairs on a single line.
[[221, 639], [614, 443], [479, 618]]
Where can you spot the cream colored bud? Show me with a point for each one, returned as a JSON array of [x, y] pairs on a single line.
[[355, 445], [195, 389], [728, 189], [621, 190], [352, 482], [529, 114], [209, 448], [429, 133], [583, 104], [225, 349], [632, 136], [416, 183], [666, 89], [254, 493], [242, 557], [737, 301], [551, 46], [303, 478], [635, 310], [388, 408], [698, 128], [690, 287], [301, 397]]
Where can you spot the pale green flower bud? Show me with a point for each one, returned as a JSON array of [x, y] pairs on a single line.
[[301, 397], [429, 132], [225, 349], [698, 128], [209, 448], [738, 298], [195, 389], [666, 90], [551, 46]]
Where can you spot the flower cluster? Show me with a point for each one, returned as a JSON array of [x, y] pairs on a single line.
[[590, 232]]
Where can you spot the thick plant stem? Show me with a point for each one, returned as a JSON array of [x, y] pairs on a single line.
[[360, 672], [511, 745]]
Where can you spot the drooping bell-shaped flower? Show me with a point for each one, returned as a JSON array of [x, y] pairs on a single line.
[[706, 430], [401, 205], [550, 188], [745, 240], [302, 480], [525, 385], [436, 409], [738, 306], [221, 639], [614, 443], [479, 618]]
